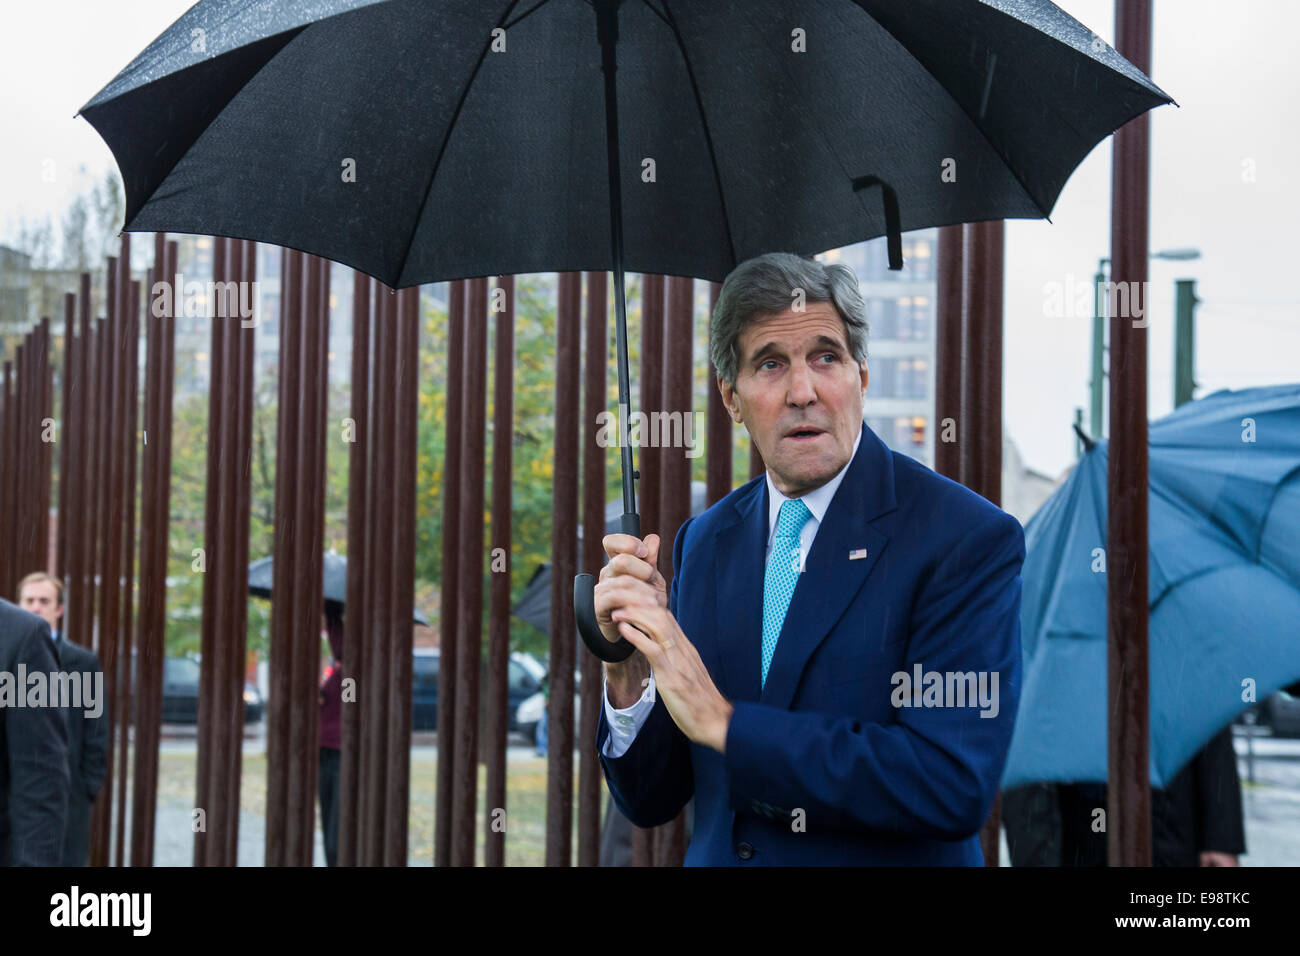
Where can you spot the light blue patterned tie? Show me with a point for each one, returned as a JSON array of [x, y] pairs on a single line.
[[782, 574]]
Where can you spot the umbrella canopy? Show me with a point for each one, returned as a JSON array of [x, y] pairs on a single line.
[[425, 140], [335, 581], [534, 605], [1224, 588], [420, 141]]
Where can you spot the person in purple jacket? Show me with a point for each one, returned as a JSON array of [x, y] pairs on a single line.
[[331, 719]]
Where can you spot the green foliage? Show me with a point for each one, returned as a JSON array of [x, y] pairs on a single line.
[[533, 449], [190, 450]]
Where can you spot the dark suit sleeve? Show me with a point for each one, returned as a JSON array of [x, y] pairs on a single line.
[[935, 772], [654, 779], [94, 747], [38, 765]]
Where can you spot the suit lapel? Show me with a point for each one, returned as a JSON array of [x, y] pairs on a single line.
[[738, 592], [831, 579]]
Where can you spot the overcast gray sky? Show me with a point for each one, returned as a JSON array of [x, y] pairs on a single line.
[[1231, 68]]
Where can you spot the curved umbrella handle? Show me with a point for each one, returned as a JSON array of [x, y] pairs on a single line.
[[584, 609], [584, 606]]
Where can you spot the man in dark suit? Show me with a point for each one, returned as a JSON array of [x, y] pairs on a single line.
[[835, 674], [87, 719], [33, 747]]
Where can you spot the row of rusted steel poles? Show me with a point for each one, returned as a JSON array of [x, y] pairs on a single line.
[[115, 419], [224, 561], [296, 593], [374, 787], [464, 559], [27, 459], [155, 520], [101, 446]]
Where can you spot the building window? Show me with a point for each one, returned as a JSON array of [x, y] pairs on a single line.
[[919, 259], [882, 316], [913, 378], [913, 318]]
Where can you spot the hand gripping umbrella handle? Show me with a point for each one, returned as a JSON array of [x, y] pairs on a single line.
[[584, 609]]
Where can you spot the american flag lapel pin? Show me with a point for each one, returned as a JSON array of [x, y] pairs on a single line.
[[857, 554]]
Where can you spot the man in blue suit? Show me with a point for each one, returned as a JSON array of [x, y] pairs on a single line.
[[835, 675]]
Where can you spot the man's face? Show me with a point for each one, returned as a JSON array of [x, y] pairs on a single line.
[[799, 393], [42, 597]]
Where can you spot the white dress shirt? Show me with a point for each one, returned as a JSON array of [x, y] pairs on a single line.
[[624, 723]]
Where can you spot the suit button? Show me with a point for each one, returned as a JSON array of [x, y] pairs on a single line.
[[744, 851]]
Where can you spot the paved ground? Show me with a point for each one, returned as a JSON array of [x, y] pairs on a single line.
[[1271, 802]]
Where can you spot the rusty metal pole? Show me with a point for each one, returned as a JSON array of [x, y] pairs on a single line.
[[451, 506], [494, 843], [97, 423], [981, 400], [278, 708], [45, 451], [154, 521], [469, 613], [8, 475], [756, 465], [354, 617], [564, 565], [207, 843], [238, 647], [405, 397], [221, 555], [949, 323], [228, 744], [115, 439], [652, 383], [652, 346], [17, 516], [16, 554], [314, 488], [378, 655], [93, 427], [304, 652], [371, 778], [1127, 602], [79, 475], [149, 780], [595, 401], [67, 451], [718, 466], [675, 477], [129, 540]]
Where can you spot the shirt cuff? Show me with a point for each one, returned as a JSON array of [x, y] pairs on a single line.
[[624, 724]]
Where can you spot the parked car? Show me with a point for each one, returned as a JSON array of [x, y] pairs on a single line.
[[1279, 712], [524, 681], [180, 704]]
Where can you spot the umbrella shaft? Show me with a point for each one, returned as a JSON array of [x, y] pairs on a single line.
[[607, 33]]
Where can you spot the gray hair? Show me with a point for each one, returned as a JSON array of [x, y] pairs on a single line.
[[767, 285]]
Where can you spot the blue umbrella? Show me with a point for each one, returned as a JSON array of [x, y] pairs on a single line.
[[1224, 588]]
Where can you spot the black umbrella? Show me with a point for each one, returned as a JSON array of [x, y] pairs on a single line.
[[335, 581], [420, 141]]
